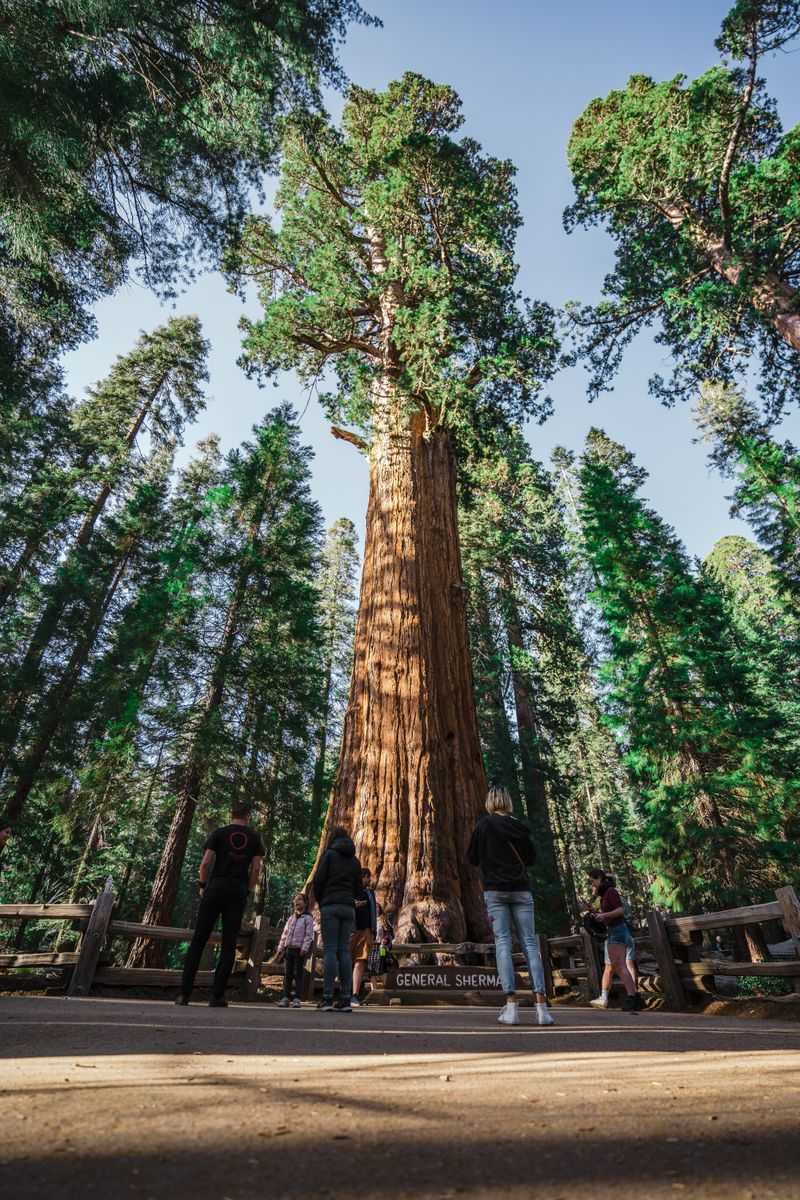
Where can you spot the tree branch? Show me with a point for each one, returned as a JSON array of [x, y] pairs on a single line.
[[345, 435]]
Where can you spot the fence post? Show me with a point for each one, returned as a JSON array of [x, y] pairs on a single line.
[[255, 957], [544, 949], [790, 910], [662, 948], [92, 942], [593, 973]]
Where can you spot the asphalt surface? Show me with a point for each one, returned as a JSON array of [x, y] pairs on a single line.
[[111, 1098]]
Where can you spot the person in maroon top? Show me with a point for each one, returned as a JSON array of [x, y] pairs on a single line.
[[609, 909]]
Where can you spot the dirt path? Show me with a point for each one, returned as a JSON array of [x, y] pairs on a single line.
[[110, 1099]]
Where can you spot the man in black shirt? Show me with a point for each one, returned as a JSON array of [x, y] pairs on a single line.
[[233, 857]]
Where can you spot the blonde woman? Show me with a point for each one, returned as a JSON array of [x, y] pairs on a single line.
[[503, 849]]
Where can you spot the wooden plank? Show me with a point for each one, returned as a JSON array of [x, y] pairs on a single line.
[[42, 959], [154, 977], [726, 919], [723, 966], [442, 947], [35, 982], [667, 967], [167, 933], [92, 942], [44, 912], [569, 940], [257, 946], [547, 964], [591, 959]]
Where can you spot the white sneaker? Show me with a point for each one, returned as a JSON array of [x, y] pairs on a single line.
[[355, 1003], [543, 1015], [599, 1002], [509, 1015]]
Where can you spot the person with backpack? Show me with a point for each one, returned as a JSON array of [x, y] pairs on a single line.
[[337, 886], [296, 940], [229, 871], [608, 908], [502, 847]]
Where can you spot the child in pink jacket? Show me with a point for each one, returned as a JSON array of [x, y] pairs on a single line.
[[296, 940]]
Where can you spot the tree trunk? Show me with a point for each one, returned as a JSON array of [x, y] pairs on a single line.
[[144, 953], [25, 678], [550, 893], [410, 783], [770, 295], [55, 702]]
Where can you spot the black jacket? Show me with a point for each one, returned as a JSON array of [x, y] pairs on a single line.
[[337, 879], [490, 848]]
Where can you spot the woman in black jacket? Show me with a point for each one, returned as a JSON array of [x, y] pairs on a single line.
[[503, 849], [337, 885]]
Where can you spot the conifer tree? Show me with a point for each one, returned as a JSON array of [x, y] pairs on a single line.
[[337, 597], [698, 742], [393, 266], [699, 188]]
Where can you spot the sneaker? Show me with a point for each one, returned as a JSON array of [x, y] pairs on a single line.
[[181, 999], [355, 1002], [630, 1004], [509, 1015], [344, 1006], [327, 1006], [283, 1002], [599, 1003], [218, 1002], [543, 1016], [297, 1003]]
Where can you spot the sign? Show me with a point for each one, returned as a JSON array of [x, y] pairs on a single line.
[[449, 979]]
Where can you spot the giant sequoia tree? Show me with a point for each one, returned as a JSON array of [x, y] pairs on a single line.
[[700, 190], [393, 266]]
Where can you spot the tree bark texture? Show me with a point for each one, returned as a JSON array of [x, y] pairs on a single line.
[[770, 295], [410, 783]]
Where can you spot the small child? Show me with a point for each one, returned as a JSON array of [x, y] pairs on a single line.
[[295, 943]]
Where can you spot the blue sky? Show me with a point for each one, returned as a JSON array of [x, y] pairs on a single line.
[[525, 69]]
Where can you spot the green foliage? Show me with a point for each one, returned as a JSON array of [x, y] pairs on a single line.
[[718, 804], [700, 190], [393, 265], [136, 129]]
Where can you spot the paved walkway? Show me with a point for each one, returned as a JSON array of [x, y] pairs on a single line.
[[110, 1098]]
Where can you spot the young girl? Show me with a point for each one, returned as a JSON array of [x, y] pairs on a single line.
[[296, 940]]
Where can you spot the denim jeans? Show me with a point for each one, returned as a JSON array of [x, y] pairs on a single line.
[[517, 907], [338, 922]]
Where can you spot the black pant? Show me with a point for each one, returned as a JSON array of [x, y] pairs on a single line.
[[226, 898], [293, 973]]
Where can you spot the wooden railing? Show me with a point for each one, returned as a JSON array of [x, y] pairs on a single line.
[[85, 967], [671, 957]]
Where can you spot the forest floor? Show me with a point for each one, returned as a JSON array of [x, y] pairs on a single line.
[[115, 1099]]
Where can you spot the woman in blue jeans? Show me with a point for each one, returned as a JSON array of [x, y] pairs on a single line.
[[337, 886], [502, 848]]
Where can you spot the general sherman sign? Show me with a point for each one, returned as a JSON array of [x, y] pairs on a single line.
[[455, 979]]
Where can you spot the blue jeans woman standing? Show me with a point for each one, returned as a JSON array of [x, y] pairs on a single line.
[[503, 849]]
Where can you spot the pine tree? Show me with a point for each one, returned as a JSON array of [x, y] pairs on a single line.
[[698, 742], [150, 393], [270, 523], [699, 188], [338, 594], [137, 129], [393, 265]]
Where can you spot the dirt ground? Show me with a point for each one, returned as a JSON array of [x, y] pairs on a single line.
[[115, 1099]]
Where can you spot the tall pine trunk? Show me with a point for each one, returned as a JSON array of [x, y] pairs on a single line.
[[410, 783], [534, 786]]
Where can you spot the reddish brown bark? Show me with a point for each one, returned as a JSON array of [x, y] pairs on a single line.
[[769, 294], [410, 783]]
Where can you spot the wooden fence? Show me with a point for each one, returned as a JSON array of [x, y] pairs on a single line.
[[671, 957]]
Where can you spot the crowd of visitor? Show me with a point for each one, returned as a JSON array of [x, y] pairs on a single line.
[[356, 936]]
